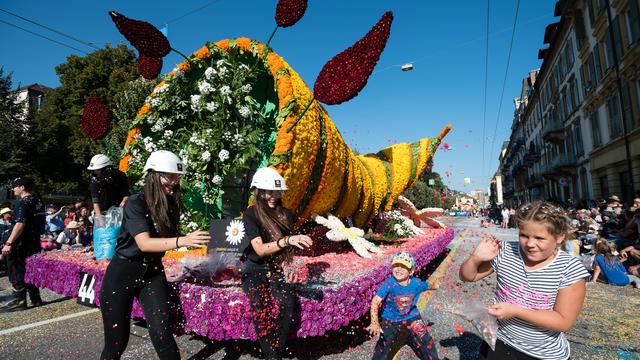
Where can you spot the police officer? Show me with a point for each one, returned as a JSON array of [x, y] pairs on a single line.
[[108, 187], [23, 242]]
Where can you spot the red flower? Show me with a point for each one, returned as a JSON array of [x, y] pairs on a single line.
[[288, 12], [342, 77], [149, 67], [95, 118], [143, 36]]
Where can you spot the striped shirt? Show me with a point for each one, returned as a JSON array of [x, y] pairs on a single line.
[[536, 289]]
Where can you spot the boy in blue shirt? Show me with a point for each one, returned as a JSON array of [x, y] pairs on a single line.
[[401, 322]]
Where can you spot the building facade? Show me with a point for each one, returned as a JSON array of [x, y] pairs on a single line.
[[576, 128]]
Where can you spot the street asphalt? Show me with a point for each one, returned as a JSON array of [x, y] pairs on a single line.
[[606, 329]]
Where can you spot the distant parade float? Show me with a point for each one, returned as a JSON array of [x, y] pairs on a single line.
[[234, 106]]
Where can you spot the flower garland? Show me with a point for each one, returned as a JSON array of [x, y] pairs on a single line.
[[380, 185], [363, 212]]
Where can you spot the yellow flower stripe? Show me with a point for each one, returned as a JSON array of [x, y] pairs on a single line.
[[378, 173], [366, 200], [423, 157], [333, 174], [399, 157]]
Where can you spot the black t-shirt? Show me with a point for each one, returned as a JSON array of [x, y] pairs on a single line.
[[109, 189], [253, 230], [136, 220], [29, 210]]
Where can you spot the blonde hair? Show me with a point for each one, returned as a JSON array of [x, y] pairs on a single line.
[[553, 217]]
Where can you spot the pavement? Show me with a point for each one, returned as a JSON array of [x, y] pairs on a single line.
[[606, 329]]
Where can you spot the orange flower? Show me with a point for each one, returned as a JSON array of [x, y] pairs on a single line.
[[203, 53], [144, 109], [132, 134], [223, 44], [184, 66], [244, 43], [124, 163]]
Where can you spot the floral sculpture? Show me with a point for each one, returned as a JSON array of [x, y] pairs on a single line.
[[194, 112], [425, 215], [355, 236]]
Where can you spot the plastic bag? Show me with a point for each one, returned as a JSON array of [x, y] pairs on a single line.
[[207, 268], [487, 325], [105, 233]]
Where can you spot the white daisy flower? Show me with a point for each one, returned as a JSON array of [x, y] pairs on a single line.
[[235, 232]]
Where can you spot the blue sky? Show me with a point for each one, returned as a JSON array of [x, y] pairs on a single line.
[[445, 41]]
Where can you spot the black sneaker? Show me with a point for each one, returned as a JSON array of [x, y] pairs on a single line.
[[36, 300], [14, 305]]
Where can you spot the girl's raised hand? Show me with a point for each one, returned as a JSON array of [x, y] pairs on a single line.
[[198, 238], [487, 249]]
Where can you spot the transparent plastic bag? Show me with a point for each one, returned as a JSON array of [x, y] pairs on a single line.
[[105, 233], [487, 325]]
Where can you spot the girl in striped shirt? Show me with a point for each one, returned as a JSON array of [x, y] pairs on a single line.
[[539, 289]]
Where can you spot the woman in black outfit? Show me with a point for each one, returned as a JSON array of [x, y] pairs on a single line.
[[150, 227], [268, 226]]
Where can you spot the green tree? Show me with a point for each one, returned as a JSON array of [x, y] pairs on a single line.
[[422, 195], [14, 134], [62, 151]]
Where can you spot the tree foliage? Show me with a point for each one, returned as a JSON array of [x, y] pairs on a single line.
[[424, 195], [61, 151], [14, 134]]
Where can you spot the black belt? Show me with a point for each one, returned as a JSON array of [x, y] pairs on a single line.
[[140, 259]]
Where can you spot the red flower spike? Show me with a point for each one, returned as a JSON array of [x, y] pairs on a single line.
[[143, 36], [149, 67], [342, 77], [288, 12], [95, 118]]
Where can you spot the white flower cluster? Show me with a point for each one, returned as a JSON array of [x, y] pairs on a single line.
[[402, 226], [223, 155]]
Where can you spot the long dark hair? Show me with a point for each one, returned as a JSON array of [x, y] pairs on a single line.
[[274, 222], [164, 209]]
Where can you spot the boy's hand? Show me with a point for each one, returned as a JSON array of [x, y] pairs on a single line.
[[487, 249], [374, 329], [503, 310]]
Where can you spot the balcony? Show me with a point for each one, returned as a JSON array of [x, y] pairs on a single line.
[[564, 163], [553, 131]]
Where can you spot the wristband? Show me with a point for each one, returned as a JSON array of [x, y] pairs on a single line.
[[177, 237], [278, 243], [287, 243]]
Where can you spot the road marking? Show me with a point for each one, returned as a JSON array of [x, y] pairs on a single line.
[[45, 322]]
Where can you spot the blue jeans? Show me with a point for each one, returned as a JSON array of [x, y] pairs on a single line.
[[413, 332]]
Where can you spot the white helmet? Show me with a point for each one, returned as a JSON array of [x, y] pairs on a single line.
[[98, 162], [268, 179], [164, 161]]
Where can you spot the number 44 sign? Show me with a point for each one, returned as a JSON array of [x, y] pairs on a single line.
[[86, 294]]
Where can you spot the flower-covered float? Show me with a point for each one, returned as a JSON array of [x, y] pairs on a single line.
[[236, 105]]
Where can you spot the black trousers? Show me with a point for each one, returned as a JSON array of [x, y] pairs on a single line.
[[502, 352], [17, 267], [414, 333], [123, 281], [262, 287]]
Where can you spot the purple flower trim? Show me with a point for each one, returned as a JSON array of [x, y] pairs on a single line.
[[223, 313]]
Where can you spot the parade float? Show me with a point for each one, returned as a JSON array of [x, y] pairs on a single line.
[[229, 108]]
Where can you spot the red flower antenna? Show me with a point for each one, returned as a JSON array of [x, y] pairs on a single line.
[[342, 77], [149, 67], [288, 12], [96, 118], [146, 38]]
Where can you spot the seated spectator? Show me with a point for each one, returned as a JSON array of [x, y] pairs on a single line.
[[55, 223], [610, 266], [6, 224], [70, 235], [84, 215], [86, 233], [70, 216]]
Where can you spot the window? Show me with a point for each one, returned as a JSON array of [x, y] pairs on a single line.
[[617, 37], [627, 107], [576, 94], [592, 18], [570, 56], [581, 33], [595, 129], [608, 52], [597, 64], [584, 184], [614, 116], [604, 186], [625, 185], [577, 131], [633, 18]]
